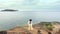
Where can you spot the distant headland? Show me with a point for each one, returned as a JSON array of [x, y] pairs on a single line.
[[9, 10]]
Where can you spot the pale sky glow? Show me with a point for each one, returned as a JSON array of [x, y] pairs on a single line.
[[30, 4]]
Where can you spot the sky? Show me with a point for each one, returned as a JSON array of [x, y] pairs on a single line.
[[37, 10], [31, 4]]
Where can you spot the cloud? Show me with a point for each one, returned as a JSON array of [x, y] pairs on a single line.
[[31, 4]]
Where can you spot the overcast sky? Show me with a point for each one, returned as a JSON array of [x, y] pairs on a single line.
[[31, 4], [38, 10]]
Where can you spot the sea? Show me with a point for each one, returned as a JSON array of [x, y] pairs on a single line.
[[10, 19]]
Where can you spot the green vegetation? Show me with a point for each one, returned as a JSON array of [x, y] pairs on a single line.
[[47, 25], [50, 27]]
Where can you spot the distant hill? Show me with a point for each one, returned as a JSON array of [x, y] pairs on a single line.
[[9, 10]]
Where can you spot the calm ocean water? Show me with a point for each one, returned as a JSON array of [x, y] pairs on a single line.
[[12, 19]]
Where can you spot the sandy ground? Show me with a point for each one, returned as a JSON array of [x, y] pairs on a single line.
[[34, 31]]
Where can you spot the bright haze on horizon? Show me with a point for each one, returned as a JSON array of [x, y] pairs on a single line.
[[37, 10]]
